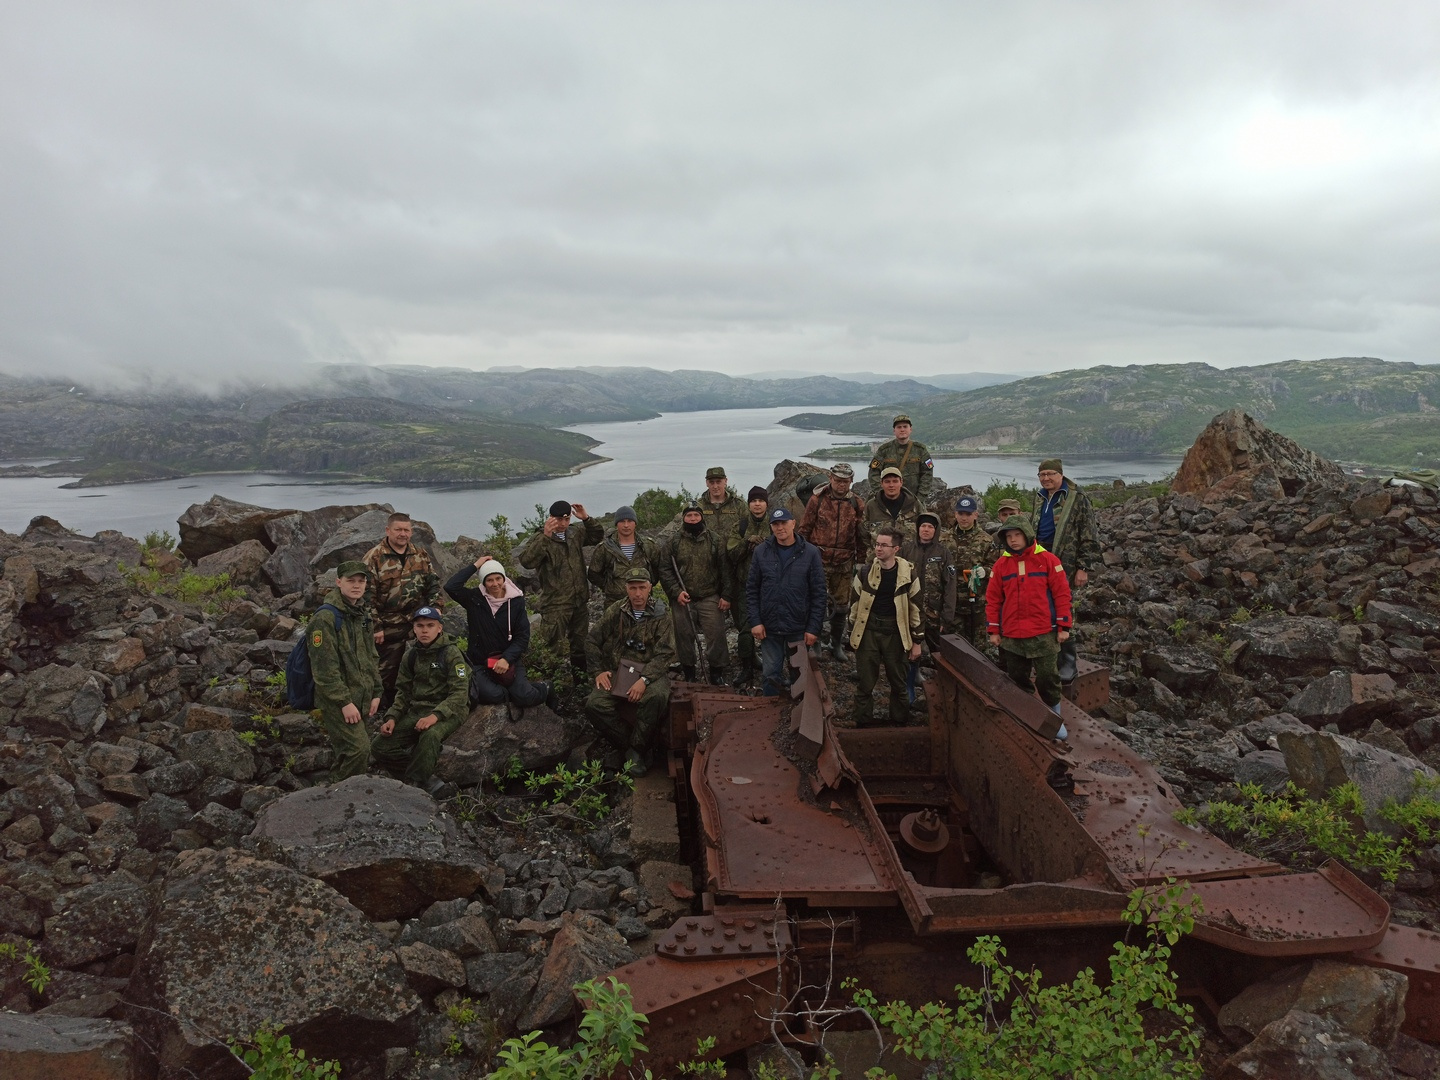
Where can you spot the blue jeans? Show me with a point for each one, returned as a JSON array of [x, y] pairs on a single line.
[[774, 661]]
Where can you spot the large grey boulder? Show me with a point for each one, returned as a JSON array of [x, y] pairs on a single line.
[[244, 564], [488, 740], [1407, 620], [1319, 762], [96, 922], [1182, 669], [220, 523], [237, 942], [1236, 454], [70, 1048], [295, 538], [1347, 700], [219, 753], [1303, 1046], [68, 702], [386, 846], [1367, 1002], [1297, 645]]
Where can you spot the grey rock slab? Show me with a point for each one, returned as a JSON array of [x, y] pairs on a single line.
[[157, 818], [386, 846], [1264, 767], [361, 533], [466, 936], [69, 1048], [219, 753], [1320, 761], [1182, 669], [1302, 1046], [488, 739], [238, 941], [243, 564], [1401, 617], [1367, 1002], [584, 947], [1297, 645], [96, 922], [429, 969], [220, 523], [1343, 699], [483, 974], [68, 702]]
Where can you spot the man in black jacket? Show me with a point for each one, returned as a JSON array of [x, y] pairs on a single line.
[[785, 596], [498, 636]]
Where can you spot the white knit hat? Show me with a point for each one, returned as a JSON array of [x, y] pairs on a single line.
[[490, 566]]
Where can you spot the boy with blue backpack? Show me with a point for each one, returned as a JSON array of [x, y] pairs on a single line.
[[345, 668]]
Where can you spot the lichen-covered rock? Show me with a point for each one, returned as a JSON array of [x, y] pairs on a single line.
[[1236, 454], [70, 1048], [295, 538], [243, 564], [219, 753], [385, 845], [583, 948], [64, 701], [1302, 1046], [1318, 762], [1299, 645], [96, 922], [1367, 1002], [488, 740], [220, 523], [237, 942]]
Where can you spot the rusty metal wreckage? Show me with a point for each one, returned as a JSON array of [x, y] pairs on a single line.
[[883, 853]]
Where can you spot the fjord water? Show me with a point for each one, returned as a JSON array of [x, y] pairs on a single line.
[[670, 450]]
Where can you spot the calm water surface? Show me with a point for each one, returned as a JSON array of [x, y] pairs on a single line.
[[670, 450]]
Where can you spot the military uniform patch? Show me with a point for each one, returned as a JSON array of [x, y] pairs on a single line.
[[460, 671], [315, 638]]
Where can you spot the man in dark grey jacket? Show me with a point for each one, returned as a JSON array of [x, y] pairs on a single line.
[[785, 596]]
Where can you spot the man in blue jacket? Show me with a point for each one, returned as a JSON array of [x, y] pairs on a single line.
[[785, 596]]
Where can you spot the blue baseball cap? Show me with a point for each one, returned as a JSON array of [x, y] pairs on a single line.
[[427, 613], [781, 515], [966, 505]]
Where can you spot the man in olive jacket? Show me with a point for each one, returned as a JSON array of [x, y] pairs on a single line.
[[697, 578], [557, 555], [620, 552], [636, 631], [432, 699], [1065, 524], [346, 669]]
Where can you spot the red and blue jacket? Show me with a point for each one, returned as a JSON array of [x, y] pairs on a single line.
[[1028, 594]]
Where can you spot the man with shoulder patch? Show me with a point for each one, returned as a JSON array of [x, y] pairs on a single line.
[[891, 506], [631, 647], [696, 575], [432, 700], [974, 550], [346, 669], [557, 555], [887, 627], [917, 468], [835, 523], [403, 578], [1065, 525]]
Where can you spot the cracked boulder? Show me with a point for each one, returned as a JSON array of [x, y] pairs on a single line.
[[1319, 762], [1304, 1046], [386, 846], [583, 948], [1368, 1003], [221, 523], [1346, 700], [96, 922], [68, 702], [1283, 645], [237, 942], [488, 740], [69, 1047]]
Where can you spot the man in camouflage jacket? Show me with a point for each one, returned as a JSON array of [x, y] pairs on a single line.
[[557, 555], [346, 669], [637, 630], [432, 700], [834, 522], [933, 563], [609, 565], [402, 579], [1065, 524], [917, 468], [722, 511], [697, 577], [891, 504], [975, 553]]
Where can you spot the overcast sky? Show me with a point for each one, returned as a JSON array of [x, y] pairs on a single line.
[[215, 188]]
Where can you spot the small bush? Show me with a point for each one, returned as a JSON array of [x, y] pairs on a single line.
[[36, 972], [269, 1056], [1000, 490], [656, 508], [158, 540]]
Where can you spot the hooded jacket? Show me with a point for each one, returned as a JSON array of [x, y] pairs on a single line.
[[343, 660], [505, 632], [1028, 595]]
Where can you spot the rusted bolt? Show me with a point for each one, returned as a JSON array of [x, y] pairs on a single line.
[[680, 935], [746, 946], [729, 933], [689, 950], [717, 947], [749, 924], [707, 930], [670, 946]]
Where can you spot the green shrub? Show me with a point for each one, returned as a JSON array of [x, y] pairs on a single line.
[[656, 508], [609, 1038], [36, 974], [269, 1057], [158, 540], [1000, 490]]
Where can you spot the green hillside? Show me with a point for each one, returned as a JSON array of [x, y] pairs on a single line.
[[1352, 409]]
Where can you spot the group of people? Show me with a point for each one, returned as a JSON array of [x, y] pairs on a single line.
[[880, 578]]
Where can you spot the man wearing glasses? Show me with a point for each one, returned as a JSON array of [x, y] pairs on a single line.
[[1065, 526], [887, 627]]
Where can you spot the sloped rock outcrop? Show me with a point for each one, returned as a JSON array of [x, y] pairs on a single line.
[[221, 523], [238, 941], [75, 1048], [1236, 454], [386, 846]]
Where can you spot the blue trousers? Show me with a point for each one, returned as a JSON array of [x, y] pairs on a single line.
[[775, 675]]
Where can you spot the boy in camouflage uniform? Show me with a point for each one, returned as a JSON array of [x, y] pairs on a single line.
[[697, 577], [975, 553], [917, 468], [402, 579], [610, 565], [933, 563], [432, 699], [346, 669], [557, 555], [637, 629]]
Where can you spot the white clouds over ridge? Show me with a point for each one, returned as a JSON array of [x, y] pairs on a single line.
[[209, 188]]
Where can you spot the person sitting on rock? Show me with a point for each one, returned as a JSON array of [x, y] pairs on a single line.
[[498, 636], [1027, 607], [346, 669], [432, 700], [633, 640]]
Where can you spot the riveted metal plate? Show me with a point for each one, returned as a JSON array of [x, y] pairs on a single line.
[[1091, 688], [708, 937], [1416, 954], [1327, 911]]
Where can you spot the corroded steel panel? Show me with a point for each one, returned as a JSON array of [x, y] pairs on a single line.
[[887, 752], [726, 933], [1327, 911], [1416, 954], [1091, 687]]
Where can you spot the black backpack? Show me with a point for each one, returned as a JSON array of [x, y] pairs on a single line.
[[299, 679]]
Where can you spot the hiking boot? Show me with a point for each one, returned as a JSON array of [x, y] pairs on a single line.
[[745, 677], [837, 639], [552, 699], [636, 764], [439, 790], [719, 678]]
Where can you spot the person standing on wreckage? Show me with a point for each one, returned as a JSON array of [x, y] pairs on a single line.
[[1064, 521]]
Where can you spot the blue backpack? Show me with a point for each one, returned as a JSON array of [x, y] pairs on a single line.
[[299, 679]]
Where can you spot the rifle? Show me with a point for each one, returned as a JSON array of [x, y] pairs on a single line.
[[702, 666]]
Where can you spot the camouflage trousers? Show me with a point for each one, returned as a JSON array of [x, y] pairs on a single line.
[[416, 752], [564, 627], [603, 710], [702, 617], [1020, 655], [392, 651], [351, 742], [838, 583]]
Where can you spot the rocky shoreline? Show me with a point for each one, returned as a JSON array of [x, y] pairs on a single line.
[[170, 849]]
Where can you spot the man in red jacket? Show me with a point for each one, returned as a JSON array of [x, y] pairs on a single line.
[[1027, 607]]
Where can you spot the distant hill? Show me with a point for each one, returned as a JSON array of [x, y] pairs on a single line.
[[968, 381], [1352, 409]]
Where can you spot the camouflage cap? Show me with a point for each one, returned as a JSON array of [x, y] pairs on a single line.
[[891, 470], [351, 568], [1009, 504], [638, 573], [902, 419], [1051, 464], [689, 506], [842, 471], [715, 472]]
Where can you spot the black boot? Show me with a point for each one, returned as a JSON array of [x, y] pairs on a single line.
[[577, 663], [837, 638], [552, 699], [1066, 662], [718, 678], [746, 676], [688, 671]]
